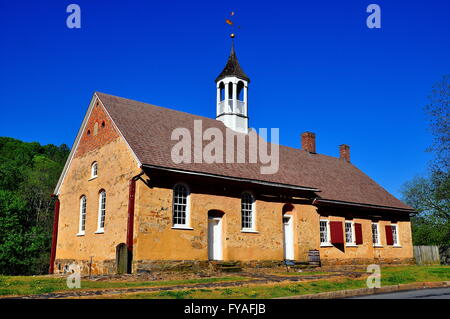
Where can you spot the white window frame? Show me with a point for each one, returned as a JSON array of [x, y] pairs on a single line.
[[352, 229], [251, 229], [395, 236], [83, 205], [378, 243], [325, 243], [187, 224], [101, 213], [94, 170]]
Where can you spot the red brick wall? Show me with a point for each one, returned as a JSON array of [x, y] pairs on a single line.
[[344, 152], [106, 134], [309, 142]]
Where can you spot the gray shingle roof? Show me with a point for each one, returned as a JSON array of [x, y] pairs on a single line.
[[148, 128]]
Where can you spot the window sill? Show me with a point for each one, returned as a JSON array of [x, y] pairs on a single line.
[[92, 178], [378, 246], [100, 231], [182, 227], [249, 231], [396, 246], [80, 234], [326, 245], [351, 245]]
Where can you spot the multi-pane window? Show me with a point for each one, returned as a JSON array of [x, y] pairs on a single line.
[[247, 207], [324, 239], [82, 215], [375, 234], [101, 210], [349, 238], [395, 234], [94, 168], [180, 205]]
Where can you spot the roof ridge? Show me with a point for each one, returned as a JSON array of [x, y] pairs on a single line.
[[161, 107]]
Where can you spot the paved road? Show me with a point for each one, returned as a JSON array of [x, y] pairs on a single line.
[[430, 293]]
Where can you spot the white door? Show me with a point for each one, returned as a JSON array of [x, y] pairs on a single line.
[[288, 237], [215, 238]]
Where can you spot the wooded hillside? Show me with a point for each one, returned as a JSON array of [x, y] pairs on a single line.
[[28, 175]]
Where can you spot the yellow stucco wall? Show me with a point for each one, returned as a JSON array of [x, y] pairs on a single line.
[[366, 250], [116, 167], [157, 240]]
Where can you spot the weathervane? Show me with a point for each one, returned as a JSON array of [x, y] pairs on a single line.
[[231, 24]]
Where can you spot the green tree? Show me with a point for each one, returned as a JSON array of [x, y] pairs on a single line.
[[28, 174], [430, 195], [431, 225], [438, 111]]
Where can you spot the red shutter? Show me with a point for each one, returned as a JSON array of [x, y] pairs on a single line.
[[358, 234], [389, 238], [337, 233]]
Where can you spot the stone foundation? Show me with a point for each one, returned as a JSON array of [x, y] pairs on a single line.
[[170, 265], [198, 265], [104, 267], [368, 261], [108, 267]]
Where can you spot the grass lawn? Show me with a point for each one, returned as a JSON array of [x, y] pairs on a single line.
[[409, 274], [31, 285], [250, 292], [389, 276]]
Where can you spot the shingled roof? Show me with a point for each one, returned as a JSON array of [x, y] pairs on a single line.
[[148, 128], [232, 68]]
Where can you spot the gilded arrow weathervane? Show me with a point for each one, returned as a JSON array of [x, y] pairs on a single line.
[[231, 24]]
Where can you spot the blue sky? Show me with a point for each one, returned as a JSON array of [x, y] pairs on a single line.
[[314, 66]]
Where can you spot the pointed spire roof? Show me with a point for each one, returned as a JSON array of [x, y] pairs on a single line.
[[232, 68]]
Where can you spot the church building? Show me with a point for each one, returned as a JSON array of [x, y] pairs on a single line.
[[123, 204]]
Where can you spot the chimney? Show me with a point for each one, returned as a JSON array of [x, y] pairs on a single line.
[[309, 142], [344, 152]]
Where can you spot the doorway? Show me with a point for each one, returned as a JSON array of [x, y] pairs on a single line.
[[288, 231], [214, 237], [122, 258]]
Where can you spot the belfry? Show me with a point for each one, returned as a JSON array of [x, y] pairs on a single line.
[[232, 95]]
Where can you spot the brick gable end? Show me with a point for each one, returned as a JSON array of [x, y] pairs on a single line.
[[99, 131]]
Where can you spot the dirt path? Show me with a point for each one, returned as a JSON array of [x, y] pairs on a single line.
[[256, 279]]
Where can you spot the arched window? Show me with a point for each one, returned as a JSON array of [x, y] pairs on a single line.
[[230, 90], [101, 211], [248, 211], [180, 216], [82, 225], [94, 169], [222, 91], [240, 91]]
